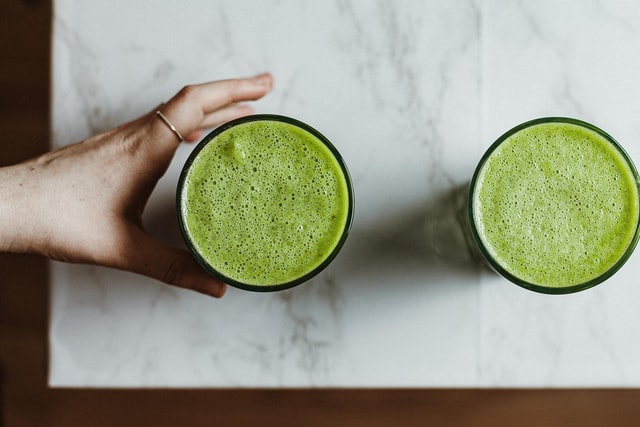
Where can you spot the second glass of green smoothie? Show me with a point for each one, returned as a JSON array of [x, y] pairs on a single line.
[[553, 206]]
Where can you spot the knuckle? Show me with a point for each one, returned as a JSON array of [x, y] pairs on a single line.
[[187, 93], [234, 88], [174, 271]]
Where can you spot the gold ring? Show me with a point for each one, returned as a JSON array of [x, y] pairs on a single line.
[[168, 123]]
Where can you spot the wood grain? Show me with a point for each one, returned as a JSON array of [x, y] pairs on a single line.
[[25, 399]]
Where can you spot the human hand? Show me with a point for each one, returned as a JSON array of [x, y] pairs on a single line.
[[83, 203]]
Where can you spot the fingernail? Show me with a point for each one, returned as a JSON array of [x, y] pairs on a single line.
[[264, 79]]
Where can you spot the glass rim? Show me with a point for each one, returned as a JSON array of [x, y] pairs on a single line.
[[511, 277], [254, 118]]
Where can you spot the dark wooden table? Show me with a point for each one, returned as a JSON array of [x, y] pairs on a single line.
[[25, 399]]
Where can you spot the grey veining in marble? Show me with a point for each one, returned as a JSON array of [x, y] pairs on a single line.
[[411, 93]]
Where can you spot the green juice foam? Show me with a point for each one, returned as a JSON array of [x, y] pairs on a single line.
[[265, 202], [555, 205]]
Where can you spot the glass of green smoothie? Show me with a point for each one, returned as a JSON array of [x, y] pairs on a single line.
[[553, 206], [265, 202]]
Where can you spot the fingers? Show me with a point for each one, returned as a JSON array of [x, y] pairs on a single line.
[[225, 114], [150, 257], [156, 138], [218, 117], [198, 106]]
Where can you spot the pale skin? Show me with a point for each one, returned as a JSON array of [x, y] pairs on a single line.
[[83, 203]]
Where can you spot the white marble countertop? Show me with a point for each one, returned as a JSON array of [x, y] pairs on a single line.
[[411, 93]]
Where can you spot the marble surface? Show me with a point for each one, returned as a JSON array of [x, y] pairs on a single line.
[[411, 93]]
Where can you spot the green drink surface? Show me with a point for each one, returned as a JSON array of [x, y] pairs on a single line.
[[265, 203], [556, 204]]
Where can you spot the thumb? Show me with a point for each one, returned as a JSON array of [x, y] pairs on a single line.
[[155, 259]]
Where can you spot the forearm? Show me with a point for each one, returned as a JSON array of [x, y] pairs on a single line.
[[17, 210]]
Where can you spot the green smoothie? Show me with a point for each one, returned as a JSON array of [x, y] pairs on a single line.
[[265, 202], [554, 205]]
